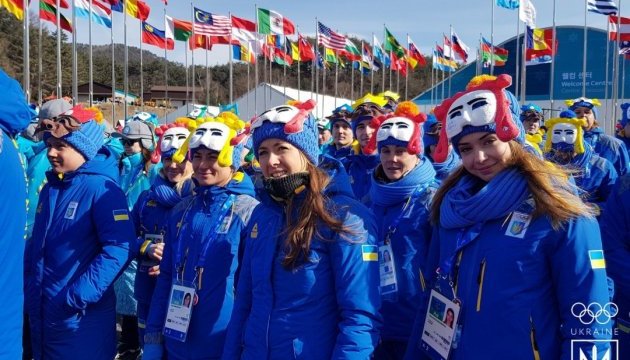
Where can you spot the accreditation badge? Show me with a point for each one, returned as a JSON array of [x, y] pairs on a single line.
[[518, 225], [179, 312], [440, 326], [387, 270]]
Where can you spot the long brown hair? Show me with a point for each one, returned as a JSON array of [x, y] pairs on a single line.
[[312, 212], [549, 185]]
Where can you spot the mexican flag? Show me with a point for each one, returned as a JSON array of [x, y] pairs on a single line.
[[271, 22], [177, 29]]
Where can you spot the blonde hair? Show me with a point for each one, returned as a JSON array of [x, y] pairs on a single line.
[[186, 176], [554, 195]]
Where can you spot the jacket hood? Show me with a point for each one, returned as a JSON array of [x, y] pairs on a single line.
[[15, 115], [339, 179]]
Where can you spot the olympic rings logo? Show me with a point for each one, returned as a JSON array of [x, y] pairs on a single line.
[[594, 312]]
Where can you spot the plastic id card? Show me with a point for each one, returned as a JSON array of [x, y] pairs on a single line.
[[179, 312], [387, 270], [440, 325]]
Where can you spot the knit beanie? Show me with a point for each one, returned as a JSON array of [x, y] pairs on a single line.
[[625, 116], [428, 137], [171, 137], [583, 102], [531, 111], [566, 121], [485, 106], [294, 124], [76, 126], [225, 134], [402, 128]]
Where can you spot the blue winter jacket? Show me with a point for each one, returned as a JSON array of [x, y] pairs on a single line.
[[36, 175], [339, 154], [517, 294], [615, 223], [14, 117], [596, 180], [326, 308], [360, 168], [444, 169], [210, 316], [82, 240], [410, 246], [609, 148]]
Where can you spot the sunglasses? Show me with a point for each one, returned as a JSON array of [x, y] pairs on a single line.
[[129, 142]]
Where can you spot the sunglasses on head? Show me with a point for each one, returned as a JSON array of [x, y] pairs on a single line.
[[129, 142]]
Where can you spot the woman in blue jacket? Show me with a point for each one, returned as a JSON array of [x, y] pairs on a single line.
[[402, 187], [201, 255], [517, 256], [82, 240], [308, 284], [151, 213]]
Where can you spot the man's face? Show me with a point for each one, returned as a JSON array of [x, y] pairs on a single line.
[[342, 134]]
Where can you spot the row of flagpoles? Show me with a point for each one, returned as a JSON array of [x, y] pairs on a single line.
[[269, 36]]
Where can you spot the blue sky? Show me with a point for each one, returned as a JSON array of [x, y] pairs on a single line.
[[423, 20]]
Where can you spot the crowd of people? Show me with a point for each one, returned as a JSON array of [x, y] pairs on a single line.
[[480, 230]]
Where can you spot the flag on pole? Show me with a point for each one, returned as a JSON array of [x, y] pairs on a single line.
[[100, 13], [441, 62], [350, 52], [271, 22], [539, 48], [177, 29], [156, 37], [329, 38], [116, 5], [415, 54], [199, 42], [137, 8], [460, 49], [63, 3], [320, 60], [49, 13], [244, 30], [330, 56], [391, 44], [367, 60], [15, 7], [293, 50], [448, 48], [604, 7], [499, 57], [527, 13], [380, 57], [209, 24], [624, 29], [305, 48], [242, 53], [508, 4], [536, 39]]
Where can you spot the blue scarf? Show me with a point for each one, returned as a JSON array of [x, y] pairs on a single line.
[[388, 194], [132, 167], [464, 206], [163, 191]]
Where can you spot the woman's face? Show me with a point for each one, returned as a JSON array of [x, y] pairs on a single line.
[[62, 156], [279, 158], [132, 146], [207, 170], [586, 113], [397, 161], [484, 155], [174, 171]]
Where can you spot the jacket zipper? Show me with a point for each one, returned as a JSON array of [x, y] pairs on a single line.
[[480, 279], [532, 337], [422, 282]]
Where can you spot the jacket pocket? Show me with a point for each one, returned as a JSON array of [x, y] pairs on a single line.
[[480, 279], [532, 338]]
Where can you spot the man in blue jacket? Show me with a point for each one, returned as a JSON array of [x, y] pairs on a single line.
[[14, 117], [81, 242]]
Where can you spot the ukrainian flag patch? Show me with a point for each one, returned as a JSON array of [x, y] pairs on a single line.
[[597, 259], [121, 214], [370, 252]]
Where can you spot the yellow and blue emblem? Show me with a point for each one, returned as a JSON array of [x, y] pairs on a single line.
[[370, 252], [121, 214], [597, 259]]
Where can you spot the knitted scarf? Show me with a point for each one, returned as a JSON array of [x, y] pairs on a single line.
[[388, 194], [163, 191]]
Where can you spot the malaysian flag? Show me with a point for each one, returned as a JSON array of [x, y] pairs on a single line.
[[604, 7], [330, 39], [211, 25]]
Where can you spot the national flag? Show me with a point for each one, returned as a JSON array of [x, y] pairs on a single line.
[[448, 48], [199, 42], [15, 7], [156, 37], [116, 5], [369, 252], [391, 44], [527, 13], [350, 52], [604, 7], [271, 22], [330, 56], [242, 53], [380, 57], [542, 51], [209, 24], [508, 4], [223, 40], [137, 8], [293, 50], [441, 62], [536, 39], [596, 258], [320, 60], [63, 3], [330, 39], [49, 13], [305, 49], [624, 29], [120, 215], [624, 48], [415, 54], [499, 57], [244, 30], [177, 29], [459, 47], [101, 14], [274, 41], [399, 64], [367, 60]]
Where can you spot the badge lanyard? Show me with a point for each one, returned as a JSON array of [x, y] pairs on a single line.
[[410, 200], [464, 238], [227, 205]]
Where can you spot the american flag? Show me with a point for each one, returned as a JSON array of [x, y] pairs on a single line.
[[211, 25], [330, 39], [604, 7]]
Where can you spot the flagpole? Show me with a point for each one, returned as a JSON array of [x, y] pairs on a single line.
[[90, 59], [336, 77], [352, 79], [518, 58], [26, 65], [111, 39], [126, 66], [432, 78], [231, 65], [255, 73], [166, 102], [397, 79], [372, 67], [450, 72], [391, 63], [299, 84], [584, 49], [623, 79], [553, 61], [616, 53], [75, 90], [284, 66], [317, 66], [249, 54], [39, 65], [192, 56], [208, 81], [187, 77], [407, 76], [492, 41], [59, 90], [480, 56], [141, 72], [361, 70], [606, 97], [524, 67]]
